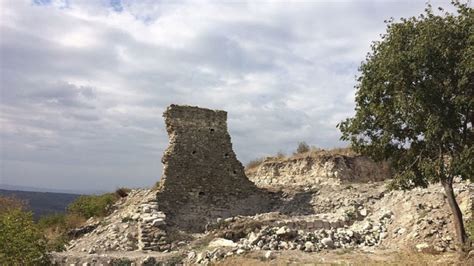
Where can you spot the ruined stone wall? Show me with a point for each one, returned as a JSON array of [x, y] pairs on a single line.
[[202, 178], [317, 170]]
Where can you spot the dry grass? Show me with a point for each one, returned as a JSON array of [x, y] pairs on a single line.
[[349, 258], [311, 152], [316, 152], [55, 227], [74, 221], [254, 163]]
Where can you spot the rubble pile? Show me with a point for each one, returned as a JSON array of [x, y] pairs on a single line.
[[135, 224], [283, 238]]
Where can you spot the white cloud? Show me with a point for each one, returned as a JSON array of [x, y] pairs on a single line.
[[84, 83]]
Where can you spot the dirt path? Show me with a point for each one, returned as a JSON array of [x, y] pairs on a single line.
[[355, 257]]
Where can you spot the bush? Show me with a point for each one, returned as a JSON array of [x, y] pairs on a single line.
[[302, 148], [60, 222], [53, 220], [9, 203], [122, 192], [54, 228], [21, 241], [93, 205]]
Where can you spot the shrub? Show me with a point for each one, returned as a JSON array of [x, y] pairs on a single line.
[[302, 148], [53, 220], [74, 220], [122, 192], [21, 241], [8, 203], [54, 228], [93, 205]]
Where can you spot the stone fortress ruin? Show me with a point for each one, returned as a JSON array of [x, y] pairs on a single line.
[[202, 178], [206, 209]]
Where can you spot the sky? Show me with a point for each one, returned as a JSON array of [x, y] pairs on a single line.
[[84, 83]]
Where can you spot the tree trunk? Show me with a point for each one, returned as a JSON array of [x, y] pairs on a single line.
[[457, 214]]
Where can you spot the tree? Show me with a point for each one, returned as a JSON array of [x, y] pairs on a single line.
[[414, 102], [21, 242]]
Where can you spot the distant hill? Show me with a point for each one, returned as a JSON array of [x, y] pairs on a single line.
[[49, 189], [43, 203]]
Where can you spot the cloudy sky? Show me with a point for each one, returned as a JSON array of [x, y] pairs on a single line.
[[84, 83]]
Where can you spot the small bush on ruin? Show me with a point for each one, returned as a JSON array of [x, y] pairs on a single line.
[[122, 192], [303, 147]]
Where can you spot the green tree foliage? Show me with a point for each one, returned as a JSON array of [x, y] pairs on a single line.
[[414, 101], [21, 241], [93, 205]]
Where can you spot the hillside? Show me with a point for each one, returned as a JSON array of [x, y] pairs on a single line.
[[305, 224], [43, 203], [328, 207]]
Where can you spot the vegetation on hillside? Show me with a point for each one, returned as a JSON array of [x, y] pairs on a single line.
[[93, 205], [42, 203], [55, 227], [21, 240], [24, 242], [414, 102]]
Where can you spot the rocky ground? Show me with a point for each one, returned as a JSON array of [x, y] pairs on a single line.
[[334, 223]]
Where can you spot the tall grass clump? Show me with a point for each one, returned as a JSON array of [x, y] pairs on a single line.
[[254, 163]]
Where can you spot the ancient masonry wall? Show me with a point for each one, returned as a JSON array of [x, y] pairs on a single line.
[[202, 178], [318, 170]]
